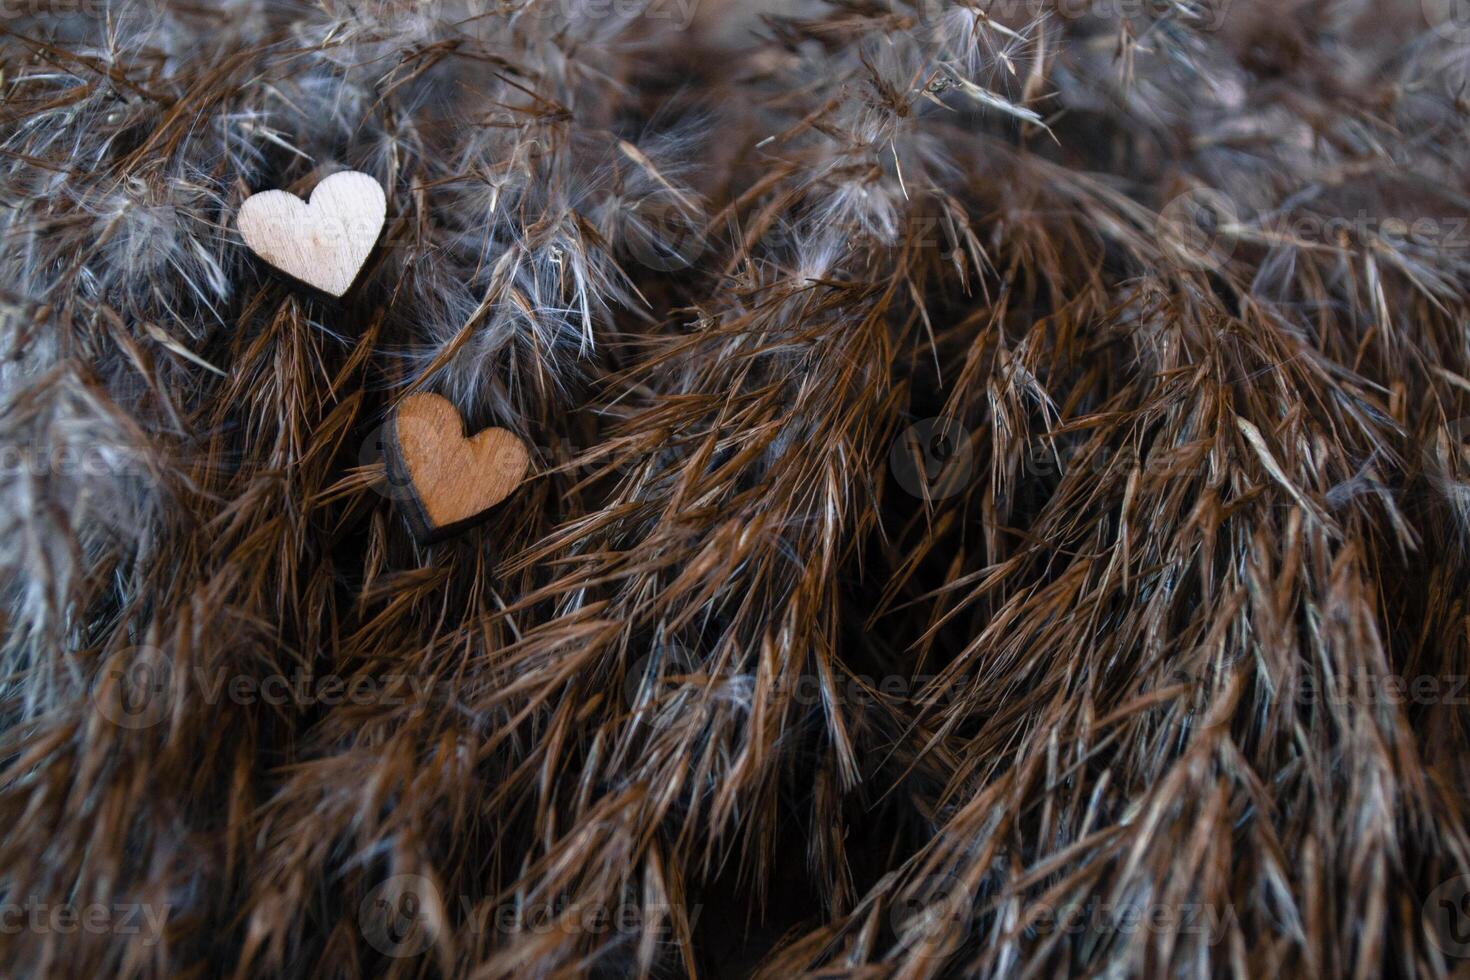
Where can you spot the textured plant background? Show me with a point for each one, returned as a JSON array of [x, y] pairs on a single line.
[[1000, 506]]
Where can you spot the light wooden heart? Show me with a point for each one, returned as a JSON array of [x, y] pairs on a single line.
[[454, 480], [323, 242]]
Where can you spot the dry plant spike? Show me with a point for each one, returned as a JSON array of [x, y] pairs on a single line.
[[952, 556], [322, 242], [452, 479]]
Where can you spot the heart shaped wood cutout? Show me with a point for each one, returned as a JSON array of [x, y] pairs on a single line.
[[453, 480], [323, 242]]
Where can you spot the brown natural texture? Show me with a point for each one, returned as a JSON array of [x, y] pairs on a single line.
[[449, 480], [1177, 289]]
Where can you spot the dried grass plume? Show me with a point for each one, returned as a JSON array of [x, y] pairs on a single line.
[[999, 505]]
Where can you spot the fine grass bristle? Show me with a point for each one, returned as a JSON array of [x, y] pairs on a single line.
[[999, 500]]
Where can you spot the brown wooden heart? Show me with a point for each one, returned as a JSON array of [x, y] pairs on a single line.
[[453, 479], [323, 242]]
